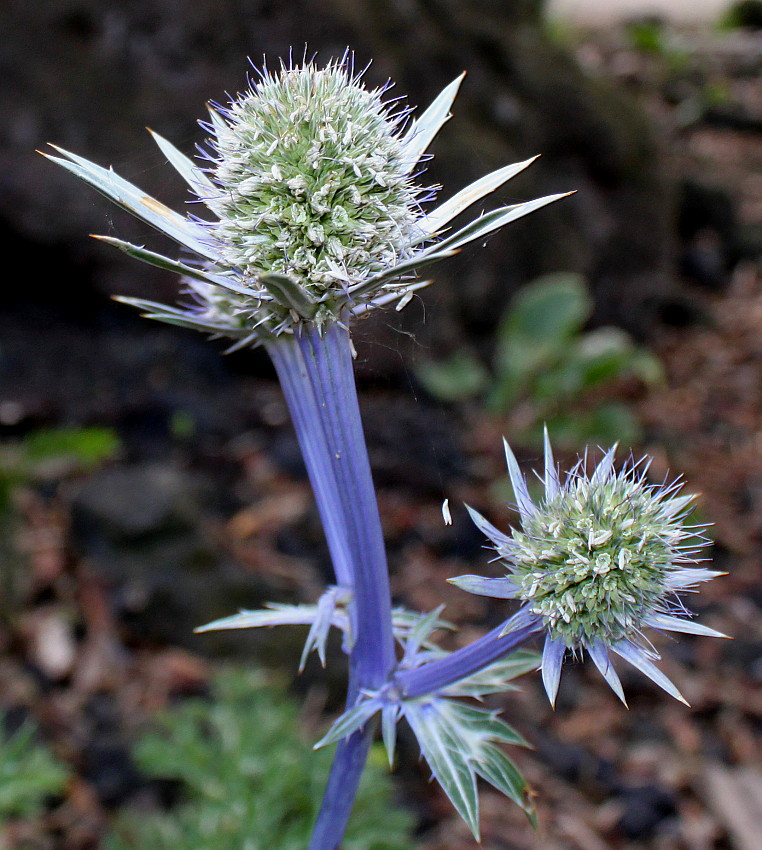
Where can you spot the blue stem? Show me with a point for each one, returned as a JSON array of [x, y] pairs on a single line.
[[316, 374], [340, 791], [438, 674]]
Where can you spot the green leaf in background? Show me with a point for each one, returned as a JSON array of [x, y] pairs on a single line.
[[535, 332], [28, 774], [548, 369], [249, 779], [647, 35], [602, 425], [20, 460], [458, 378], [87, 446], [589, 361]]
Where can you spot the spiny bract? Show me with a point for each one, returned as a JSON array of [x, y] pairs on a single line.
[[598, 559]]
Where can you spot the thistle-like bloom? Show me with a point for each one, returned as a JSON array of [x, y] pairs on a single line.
[[601, 557], [310, 177]]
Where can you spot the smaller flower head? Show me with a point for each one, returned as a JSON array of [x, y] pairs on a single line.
[[598, 559]]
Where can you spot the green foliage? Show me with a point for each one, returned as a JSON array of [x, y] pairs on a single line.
[[86, 447], [28, 774], [459, 742], [647, 35], [459, 377], [249, 779], [743, 14], [652, 35], [546, 364], [83, 448]]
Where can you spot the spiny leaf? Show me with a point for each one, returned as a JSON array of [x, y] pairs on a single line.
[[350, 722]]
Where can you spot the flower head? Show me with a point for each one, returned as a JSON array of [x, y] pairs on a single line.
[[311, 179], [601, 557]]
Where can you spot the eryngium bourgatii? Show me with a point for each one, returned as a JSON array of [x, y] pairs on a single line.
[[601, 557], [312, 179]]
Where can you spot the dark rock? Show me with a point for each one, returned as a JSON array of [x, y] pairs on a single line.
[[109, 768], [136, 502], [734, 116], [105, 758], [646, 807], [707, 225], [577, 765], [139, 529], [411, 445]]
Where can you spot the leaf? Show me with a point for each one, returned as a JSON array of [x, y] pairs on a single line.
[[350, 721], [181, 317], [489, 530], [485, 724], [460, 377], [496, 768], [439, 217], [422, 131], [275, 614], [495, 678], [28, 774], [460, 741], [188, 170], [89, 446], [536, 328], [290, 294], [328, 612], [135, 201], [447, 755], [153, 259], [419, 632], [359, 290], [603, 424], [389, 716], [645, 365], [404, 621], [492, 221], [497, 588], [403, 292]]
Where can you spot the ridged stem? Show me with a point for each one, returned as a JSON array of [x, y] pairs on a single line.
[[316, 374], [317, 377], [438, 674], [341, 789]]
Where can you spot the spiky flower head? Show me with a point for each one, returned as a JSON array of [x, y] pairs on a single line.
[[314, 181], [601, 557], [311, 179]]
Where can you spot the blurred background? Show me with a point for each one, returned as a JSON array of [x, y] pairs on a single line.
[[149, 484]]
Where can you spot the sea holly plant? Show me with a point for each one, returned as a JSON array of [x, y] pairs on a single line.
[[600, 558], [308, 214]]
